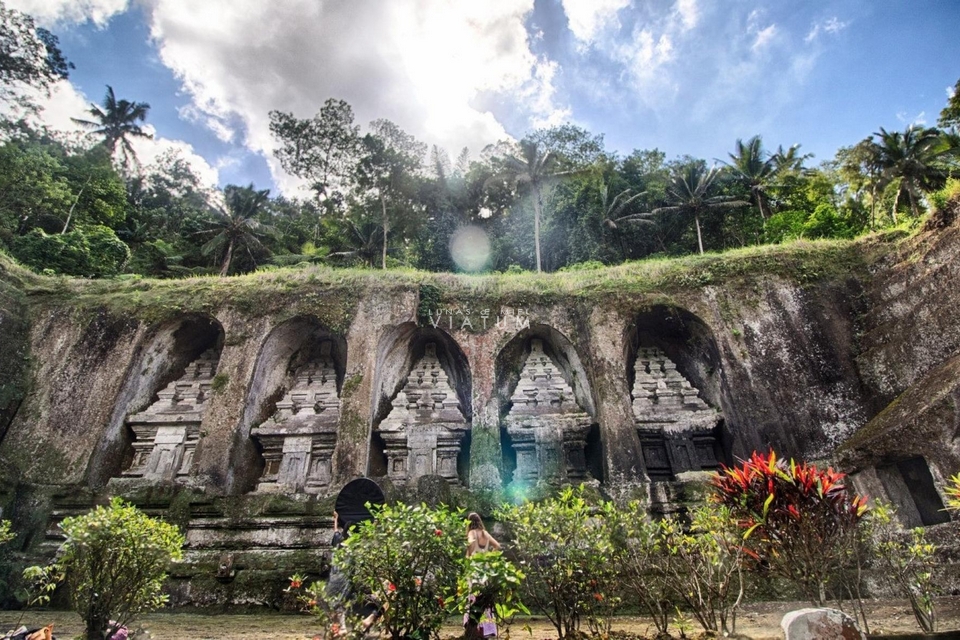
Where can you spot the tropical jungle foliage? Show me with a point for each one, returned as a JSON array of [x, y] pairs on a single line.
[[378, 197]]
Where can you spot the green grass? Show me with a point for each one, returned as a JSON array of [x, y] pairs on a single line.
[[333, 293]]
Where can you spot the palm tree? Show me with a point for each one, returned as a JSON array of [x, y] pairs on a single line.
[[535, 168], [612, 210], [754, 171], [915, 158], [116, 122], [691, 192], [789, 160], [237, 225]]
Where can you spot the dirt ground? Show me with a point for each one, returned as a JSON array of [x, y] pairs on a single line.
[[758, 621]]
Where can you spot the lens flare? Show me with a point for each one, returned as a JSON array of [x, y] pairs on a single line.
[[470, 248]]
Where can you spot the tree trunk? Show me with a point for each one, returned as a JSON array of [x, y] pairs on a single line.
[[696, 220], [537, 205], [74, 206], [225, 269], [386, 230], [896, 203]]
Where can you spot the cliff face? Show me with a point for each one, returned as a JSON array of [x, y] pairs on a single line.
[[667, 368]]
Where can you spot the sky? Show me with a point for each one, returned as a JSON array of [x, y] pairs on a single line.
[[688, 77]]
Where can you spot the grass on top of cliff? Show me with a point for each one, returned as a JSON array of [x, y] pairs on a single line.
[[274, 290]]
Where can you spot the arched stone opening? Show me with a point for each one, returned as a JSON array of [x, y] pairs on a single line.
[[288, 430], [908, 485], [547, 410], [155, 425], [422, 406], [674, 373]]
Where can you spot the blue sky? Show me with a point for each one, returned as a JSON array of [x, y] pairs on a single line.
[[685, 76]]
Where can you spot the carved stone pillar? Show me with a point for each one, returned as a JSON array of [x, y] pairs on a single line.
[[165, 434], [299, 438], [546, 425], [424, 430]]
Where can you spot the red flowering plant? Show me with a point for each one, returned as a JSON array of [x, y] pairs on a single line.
[[312, 598], [798, 521], [408, 560]]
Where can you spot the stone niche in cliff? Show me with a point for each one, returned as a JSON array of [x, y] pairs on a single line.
[[425, 429], [908, 485], [299, 438], [678, 430], [675, 379], [545, 425], [166, 432]]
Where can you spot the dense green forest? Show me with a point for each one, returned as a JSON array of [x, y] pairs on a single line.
[[380, 198]]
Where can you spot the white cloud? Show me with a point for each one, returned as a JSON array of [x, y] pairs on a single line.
[[425, 64], [588, 18], [831, 25], [919, 120], [50, 12], [688, 12], [951, 91], [764, 36]]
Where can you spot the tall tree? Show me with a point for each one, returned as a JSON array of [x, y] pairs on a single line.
[[322, 150], [613, 212], [29, 56], [116, 122], [236, 226], [388, 172], [533, 167], [693, 192], [950, 116], [915, 158], [755, 170]]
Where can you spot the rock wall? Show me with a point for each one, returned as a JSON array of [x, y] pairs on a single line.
[[796, 350]]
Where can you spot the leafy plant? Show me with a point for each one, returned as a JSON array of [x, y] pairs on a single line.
[[114, 562], [564, 545], [639, 554], [490, 581], [409, 559], [907, 558], [6, 535], [798, 521], [704, 565]]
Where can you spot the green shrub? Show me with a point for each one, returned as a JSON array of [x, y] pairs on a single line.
[[92, 251], [494, 583], [907, 560], [409, 558], [564, 545], [704, 565], [6, 535], [114, 562]]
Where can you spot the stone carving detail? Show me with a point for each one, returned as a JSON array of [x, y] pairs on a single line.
[[677, 428], [423, 432], [298, 440], [547, 426], [166, 432]]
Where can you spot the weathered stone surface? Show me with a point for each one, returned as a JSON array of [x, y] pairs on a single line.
[[797, 363], [298, 440], [166, 433], [425, 427], [820, 624], [547, 426], [677, 429]]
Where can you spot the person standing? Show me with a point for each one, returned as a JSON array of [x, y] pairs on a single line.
[[479, 618]]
